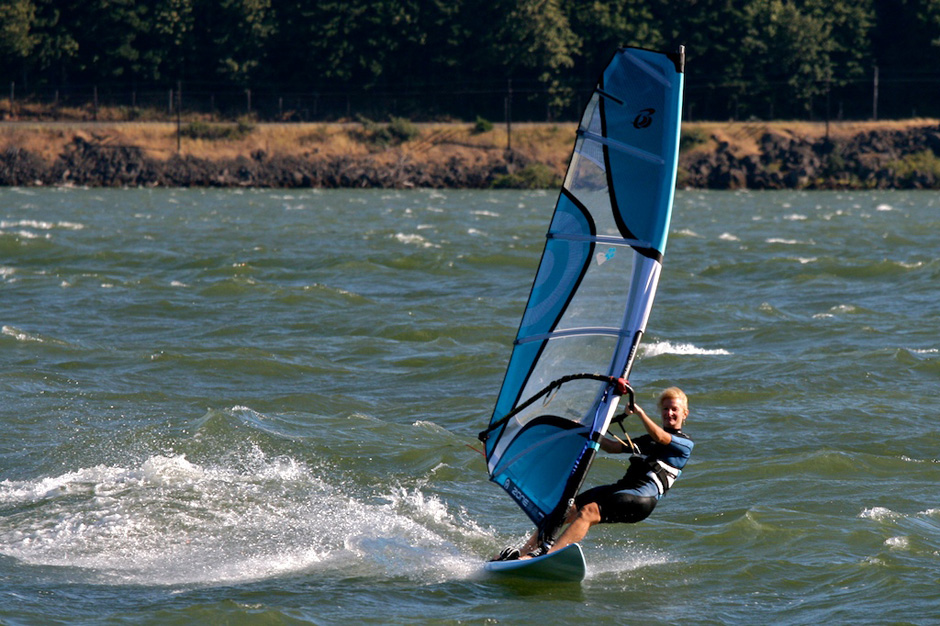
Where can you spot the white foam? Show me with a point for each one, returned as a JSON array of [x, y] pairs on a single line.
[[40, 225], [879, 513], [667, 347], [19, 335], [898, 543], [415, 240], [171, 521]]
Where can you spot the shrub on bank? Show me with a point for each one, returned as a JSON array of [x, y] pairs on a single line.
[[217, 132], [918, 165], [481, 126], [398, 131], [532, 176]]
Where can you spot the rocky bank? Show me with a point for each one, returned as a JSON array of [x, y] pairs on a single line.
[[877, 159], [906, 158]]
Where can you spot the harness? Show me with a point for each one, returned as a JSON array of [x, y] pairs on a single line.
[[660, 473]]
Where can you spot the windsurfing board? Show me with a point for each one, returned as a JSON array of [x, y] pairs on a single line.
[[566, 564]]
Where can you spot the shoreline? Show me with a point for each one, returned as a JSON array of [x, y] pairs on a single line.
[[714, 155]]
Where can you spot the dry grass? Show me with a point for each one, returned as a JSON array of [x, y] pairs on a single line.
[[743, 137], [550, 144]]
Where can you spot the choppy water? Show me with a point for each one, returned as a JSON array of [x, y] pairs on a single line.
[[257, 406]]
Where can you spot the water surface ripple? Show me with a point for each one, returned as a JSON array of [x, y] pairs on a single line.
[[244, 406]]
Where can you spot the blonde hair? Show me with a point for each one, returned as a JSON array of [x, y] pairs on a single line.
[[673, 393]]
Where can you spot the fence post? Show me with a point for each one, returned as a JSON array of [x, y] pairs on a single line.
[[179, 119], [248, 98], [874, 97], [508, 112], [12, 93], [94, 110]]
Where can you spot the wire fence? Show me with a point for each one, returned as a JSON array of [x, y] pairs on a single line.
[[882, 95]]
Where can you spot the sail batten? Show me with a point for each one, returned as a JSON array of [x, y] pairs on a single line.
[[593, 291], [574, 332], [640, 154], [614, 241]]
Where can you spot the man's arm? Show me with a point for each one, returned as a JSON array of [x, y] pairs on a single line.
[[614, 446], [655, 430]]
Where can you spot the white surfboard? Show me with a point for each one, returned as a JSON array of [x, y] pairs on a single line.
[[566, 564]]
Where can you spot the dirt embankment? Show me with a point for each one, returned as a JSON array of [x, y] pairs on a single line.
[[714, 155]]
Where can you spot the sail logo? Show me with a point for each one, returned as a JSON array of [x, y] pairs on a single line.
[[527, 505], [644, 118], [602, 257]]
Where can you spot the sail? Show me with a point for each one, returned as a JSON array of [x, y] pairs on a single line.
[[594, 287]]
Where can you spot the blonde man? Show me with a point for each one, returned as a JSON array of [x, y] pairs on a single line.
[[656, 462]]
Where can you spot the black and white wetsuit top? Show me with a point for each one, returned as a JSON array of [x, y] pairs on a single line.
[[655, 467]]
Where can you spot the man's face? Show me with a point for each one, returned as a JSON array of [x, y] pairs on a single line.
[[673, 412]]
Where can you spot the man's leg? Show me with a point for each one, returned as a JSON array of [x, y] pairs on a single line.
[[587, 516]]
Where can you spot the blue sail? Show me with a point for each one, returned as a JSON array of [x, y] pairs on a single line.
[[594, 287]]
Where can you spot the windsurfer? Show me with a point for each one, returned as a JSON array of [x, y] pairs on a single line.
[[656, 462]]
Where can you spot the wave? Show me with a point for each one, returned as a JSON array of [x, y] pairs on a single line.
[[171, 521], [666, 347], [242, 499], [30, 337], [414, 240], [40, 224]]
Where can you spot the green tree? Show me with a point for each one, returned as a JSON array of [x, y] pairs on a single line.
[[791, 52], [528, 39], [108, 36], [16, 39], [602, 26], [236, 34], [351, 42], [850, 24], [171, 41]]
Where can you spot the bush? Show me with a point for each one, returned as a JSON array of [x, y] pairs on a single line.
[[924, 163], [534, 176], [481, 126], [398, 131], [216, 132], [692, 137]]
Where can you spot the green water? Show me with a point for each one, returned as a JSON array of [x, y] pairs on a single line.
[[257, 407]]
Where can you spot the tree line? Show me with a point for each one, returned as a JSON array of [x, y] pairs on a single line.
[[761, 58]]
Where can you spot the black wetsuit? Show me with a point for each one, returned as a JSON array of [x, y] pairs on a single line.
[[651, 473]]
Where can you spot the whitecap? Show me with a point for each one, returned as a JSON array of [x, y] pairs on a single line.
[[414, 239], [19, 335], [667, 347], [900, 543], [879, 514]]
